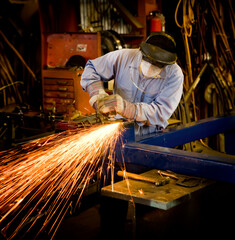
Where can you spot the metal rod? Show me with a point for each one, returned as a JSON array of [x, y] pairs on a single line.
[[195, 83]]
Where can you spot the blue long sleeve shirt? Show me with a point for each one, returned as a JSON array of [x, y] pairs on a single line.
[[155, 98]]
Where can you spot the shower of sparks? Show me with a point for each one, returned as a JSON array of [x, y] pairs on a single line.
[[43, 176]]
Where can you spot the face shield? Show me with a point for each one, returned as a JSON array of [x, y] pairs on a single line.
[[159, 49], [149, 70]]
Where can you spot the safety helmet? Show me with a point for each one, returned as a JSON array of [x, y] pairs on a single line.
[[159, 48]]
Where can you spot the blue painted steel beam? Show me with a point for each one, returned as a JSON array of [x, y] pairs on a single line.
[[190, 132], [156, 151], [190, 163]]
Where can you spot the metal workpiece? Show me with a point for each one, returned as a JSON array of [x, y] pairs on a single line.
[[127, 136], [186, 133], [190, 163], [156, 150], [129, 132]]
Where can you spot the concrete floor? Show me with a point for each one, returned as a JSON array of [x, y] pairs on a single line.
[[84, 226], [208, 216]]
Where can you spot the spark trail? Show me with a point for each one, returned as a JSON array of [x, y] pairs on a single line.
[[43, 176]]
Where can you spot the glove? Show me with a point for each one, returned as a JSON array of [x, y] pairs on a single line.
[[93, 100], [96, 92], [115, 103]]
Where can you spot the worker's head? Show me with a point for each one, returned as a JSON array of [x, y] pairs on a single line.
[[159, 49]]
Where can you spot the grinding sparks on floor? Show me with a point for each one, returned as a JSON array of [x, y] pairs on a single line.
[[40, 177]]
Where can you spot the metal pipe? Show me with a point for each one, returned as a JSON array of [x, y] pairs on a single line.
[[195, 83]]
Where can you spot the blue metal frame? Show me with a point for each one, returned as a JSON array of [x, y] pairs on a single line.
[[156, 151], [182, 134], [189, 163]]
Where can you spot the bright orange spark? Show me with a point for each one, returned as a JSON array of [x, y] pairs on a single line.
[[141, 191], [52, 170]]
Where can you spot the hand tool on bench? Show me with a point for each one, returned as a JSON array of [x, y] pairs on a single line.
[[138, 177], [182, 181]]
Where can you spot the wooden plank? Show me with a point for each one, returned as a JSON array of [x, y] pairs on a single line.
[[162, 197]]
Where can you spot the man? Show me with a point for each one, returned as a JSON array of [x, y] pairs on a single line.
[[148, 83]]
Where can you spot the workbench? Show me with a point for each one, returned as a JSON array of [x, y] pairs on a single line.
[[130, 194], [162, 197]]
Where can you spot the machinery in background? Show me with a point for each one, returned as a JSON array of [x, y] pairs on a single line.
[[65, 56], [19, 125], [111, 41]]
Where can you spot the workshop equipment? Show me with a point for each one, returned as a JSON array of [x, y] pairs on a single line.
[[189, 182], [168, 174], [147, 194], [158, 150], [184, 182], [138, 177], [156, 22], [61, 87]]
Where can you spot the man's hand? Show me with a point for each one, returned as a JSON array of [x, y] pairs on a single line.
[[96, 92], [96, 98], [116, 104], [112, 103]]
